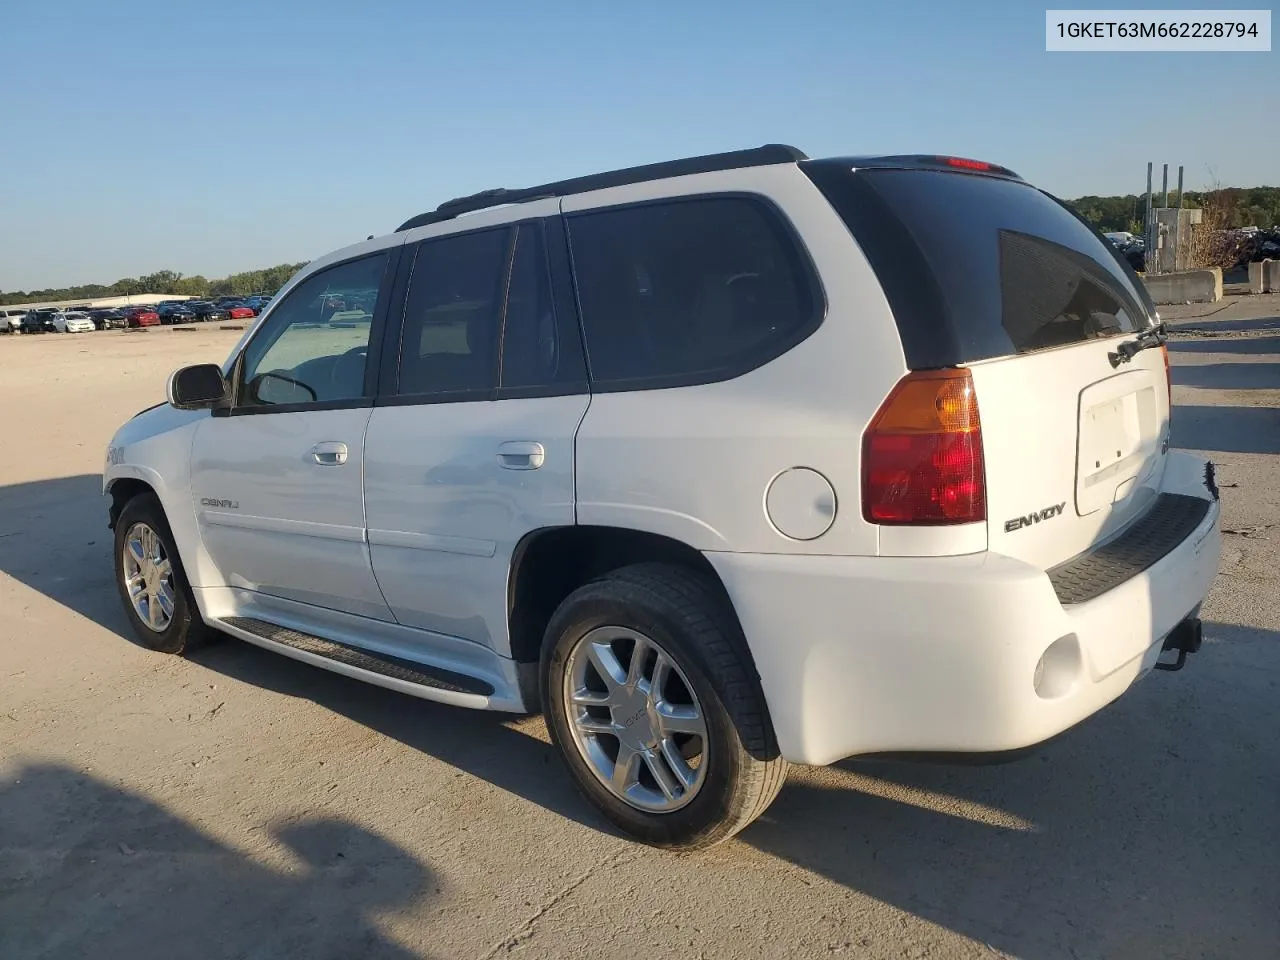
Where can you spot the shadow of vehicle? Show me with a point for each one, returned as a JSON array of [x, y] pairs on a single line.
[[1075, 851], [491, 746], [90, 870], [54, 539], [1226, 429], [1263, 345], [1228, 376]]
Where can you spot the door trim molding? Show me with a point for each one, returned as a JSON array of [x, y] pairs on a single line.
[[300, 528], [467, 546]]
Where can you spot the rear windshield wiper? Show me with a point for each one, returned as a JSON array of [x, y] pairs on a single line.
[[1154, 336]]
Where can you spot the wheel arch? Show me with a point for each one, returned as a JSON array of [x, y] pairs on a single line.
[[550, 563], [122, 490]]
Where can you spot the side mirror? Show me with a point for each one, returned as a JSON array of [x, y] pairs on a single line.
[[198, 387]]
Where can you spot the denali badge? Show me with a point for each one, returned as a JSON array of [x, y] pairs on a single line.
[[1048, 513], [225, 504]]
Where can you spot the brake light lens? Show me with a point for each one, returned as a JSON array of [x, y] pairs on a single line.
[[965, 164], [922, 460]]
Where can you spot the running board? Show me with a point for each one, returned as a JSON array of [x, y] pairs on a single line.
[[408, 676]]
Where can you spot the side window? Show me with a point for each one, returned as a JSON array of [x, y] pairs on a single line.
[[539, 347], [689, 291], [450, 336], [314, 346]]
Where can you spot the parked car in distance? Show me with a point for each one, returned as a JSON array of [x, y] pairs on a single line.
[[39, 321], [11, 320], [240, 312], [108, 319], [141, 317], [175, 313], [76, 322], [205, 311], [801, 505]]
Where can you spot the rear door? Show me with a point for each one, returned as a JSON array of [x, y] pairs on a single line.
[[988, 272], [471, 444]]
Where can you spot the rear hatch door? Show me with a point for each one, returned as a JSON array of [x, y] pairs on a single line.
[[987, 272]]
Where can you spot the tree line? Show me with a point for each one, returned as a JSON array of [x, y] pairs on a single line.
[[1242, 207], [268, 280]]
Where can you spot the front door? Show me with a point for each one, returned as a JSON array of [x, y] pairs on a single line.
[[473, 446], [277, 481]]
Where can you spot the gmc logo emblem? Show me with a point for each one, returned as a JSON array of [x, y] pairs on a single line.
[[1048, 513]]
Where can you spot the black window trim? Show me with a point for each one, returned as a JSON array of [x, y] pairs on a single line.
[[564, 304], [795, 249], [564, 308], [373, 359]]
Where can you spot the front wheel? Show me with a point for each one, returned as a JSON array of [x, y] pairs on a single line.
[[151, 582], [654, 703]]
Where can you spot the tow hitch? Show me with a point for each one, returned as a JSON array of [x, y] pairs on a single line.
[[1185, 638]]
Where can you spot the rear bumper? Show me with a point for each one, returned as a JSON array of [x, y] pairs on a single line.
[[940, 654]]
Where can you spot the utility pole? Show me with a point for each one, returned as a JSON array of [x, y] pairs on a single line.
[[1149, 233], [1177, 225]]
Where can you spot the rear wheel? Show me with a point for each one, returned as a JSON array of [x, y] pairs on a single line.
[[652, 699], [151, 582]]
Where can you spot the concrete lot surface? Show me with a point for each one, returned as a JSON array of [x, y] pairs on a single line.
[[240, 804]]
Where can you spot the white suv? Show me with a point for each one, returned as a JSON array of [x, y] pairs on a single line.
[[722, 463]]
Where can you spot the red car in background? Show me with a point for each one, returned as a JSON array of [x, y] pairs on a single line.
[[240, 313], [142, 317]]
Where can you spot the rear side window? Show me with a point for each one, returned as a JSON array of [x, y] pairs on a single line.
[[978, 267], [689, 291], [449, 342]]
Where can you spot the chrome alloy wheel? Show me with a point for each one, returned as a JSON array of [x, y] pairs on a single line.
[[635, 719], [148, 577]]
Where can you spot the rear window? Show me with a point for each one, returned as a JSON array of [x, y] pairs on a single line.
[[689, 290], [979, 267]]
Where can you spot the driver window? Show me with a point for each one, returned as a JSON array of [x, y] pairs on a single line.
[[313, 346]]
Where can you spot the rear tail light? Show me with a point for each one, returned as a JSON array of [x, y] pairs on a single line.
[[922, 459]]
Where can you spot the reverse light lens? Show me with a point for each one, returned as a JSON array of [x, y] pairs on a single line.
[[922, 458]]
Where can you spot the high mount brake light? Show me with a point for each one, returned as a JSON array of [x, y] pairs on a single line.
[[922, 460], [965, 164]]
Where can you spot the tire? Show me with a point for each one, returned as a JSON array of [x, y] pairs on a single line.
[[680, 614], [184, 630]]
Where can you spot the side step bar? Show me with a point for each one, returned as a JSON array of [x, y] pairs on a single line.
[[434, 683]]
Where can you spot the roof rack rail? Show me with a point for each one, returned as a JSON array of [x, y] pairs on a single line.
[[499, 196]]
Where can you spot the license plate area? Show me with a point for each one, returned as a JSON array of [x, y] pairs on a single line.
[[1118, 437]]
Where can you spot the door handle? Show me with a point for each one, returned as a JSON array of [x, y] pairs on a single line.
[[521, 455], [329, 453]]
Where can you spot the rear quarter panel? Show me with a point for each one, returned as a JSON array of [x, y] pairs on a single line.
[[694, 463]]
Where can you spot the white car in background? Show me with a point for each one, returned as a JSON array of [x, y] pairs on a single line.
[[10, 320], [73, 323]]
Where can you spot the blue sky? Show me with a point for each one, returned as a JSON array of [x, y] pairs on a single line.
[[221, 136]]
